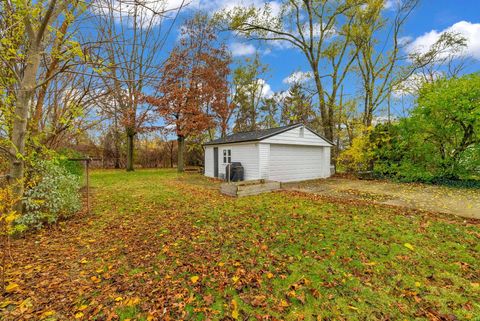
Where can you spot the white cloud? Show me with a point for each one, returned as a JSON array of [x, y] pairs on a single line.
[[156, 11], [471, 32], [391, 4], [413, 84], [242, 49], [387, 4], [298, 77], [317, 30], [260, 88], [148, 12], [267, 51], [402, 41], [280, 96], [267, 91], [211, 5], [216, 5]]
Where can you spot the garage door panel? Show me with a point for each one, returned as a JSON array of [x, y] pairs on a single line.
[[294, 163]]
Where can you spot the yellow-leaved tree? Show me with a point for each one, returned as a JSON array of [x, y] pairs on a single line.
[[359, 155]]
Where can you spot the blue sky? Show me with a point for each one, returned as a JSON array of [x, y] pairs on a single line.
[[427, 22], [429, 16]]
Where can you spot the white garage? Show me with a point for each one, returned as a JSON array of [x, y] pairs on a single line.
[[284, 154]]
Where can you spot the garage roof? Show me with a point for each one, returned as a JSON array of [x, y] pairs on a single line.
[[257, 135]]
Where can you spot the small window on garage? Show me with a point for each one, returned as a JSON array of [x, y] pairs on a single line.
[[301, 132], [227, 156]]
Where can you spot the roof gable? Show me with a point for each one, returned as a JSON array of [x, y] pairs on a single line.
[[258, 135]]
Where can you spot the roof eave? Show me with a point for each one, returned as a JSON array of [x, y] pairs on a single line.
[[271, 135], [258, 138], [235, 142], [281, 131]]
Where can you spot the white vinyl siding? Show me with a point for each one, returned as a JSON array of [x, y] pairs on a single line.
[[285, 157], [289, 163], [293, 136], [246, 153], [264, 159]]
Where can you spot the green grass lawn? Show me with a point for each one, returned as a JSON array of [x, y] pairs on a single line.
[[162, 246]]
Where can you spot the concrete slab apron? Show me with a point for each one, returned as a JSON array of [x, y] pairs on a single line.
[[461, 202]]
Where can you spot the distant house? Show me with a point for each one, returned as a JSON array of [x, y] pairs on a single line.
[[284, 154]]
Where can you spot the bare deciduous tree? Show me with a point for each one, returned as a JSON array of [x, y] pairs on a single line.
[[133, 37], [319, 29], [377, 62]]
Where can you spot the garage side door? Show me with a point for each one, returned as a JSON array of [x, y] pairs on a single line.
[[295, 163]]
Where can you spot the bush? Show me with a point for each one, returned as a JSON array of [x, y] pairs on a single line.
[[396, 152], [73, 167], [438, 143], [358, 156], [466, 183], [52, 194], [444, 127]]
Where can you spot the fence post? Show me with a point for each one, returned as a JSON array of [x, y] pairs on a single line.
[[87, 163]]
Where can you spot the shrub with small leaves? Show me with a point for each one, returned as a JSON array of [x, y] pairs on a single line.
[[52, 193]]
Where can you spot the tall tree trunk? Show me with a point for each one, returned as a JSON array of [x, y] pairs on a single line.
[[181, 152], [171, 146], [116, 141], [224, 128], [368, 113], [324, 112], [117, 155], [19, 130], [130, 146], [339, 128]]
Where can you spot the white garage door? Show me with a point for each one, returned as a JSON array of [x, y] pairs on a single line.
[[290, 163]]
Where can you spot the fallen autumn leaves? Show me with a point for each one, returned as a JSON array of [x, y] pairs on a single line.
[[162, 247]]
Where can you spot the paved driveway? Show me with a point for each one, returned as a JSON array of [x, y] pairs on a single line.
[[458, 201]]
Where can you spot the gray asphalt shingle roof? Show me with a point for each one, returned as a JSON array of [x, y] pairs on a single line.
[[255, 135]]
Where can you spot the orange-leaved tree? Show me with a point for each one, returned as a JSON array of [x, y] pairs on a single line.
[[192, 95]]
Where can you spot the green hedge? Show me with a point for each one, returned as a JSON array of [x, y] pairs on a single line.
[[73, 167]]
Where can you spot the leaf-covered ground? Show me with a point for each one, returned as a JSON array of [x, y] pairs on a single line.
[[458, 201], [164, 247]]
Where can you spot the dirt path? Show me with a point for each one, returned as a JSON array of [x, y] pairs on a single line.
[[461, 202]]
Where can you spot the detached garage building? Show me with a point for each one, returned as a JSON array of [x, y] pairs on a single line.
[[284, 154]]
